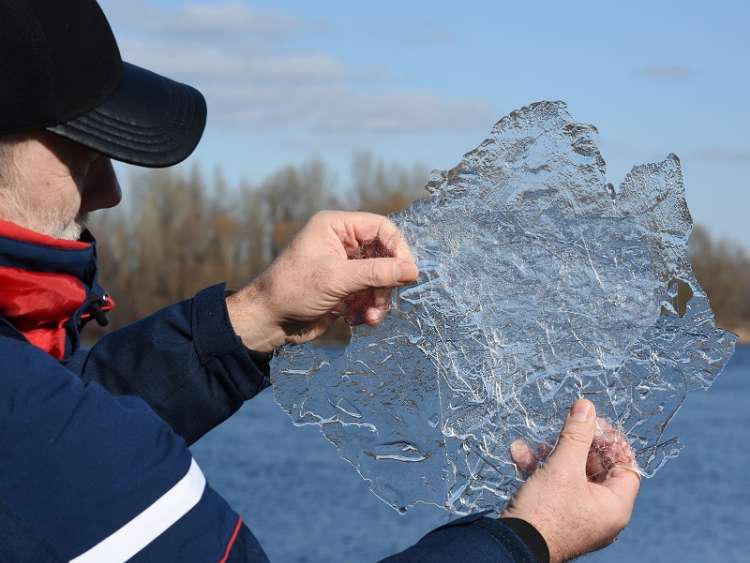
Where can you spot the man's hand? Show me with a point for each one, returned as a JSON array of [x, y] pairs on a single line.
[[340, 264], [583, 496]]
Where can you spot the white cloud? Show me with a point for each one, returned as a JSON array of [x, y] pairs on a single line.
[[204, 18], [228, 18], [664, 72], [720, 155], [212, 63], [253, 78]]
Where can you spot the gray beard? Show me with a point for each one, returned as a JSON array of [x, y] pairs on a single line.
[[14, 207], [72, 230]]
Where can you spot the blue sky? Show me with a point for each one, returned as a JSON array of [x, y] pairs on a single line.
[[425, 81]]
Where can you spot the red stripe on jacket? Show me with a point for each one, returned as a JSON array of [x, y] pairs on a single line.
[[233, 539]]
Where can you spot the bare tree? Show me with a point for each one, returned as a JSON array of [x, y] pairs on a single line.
[[723, 270], [179, 232]]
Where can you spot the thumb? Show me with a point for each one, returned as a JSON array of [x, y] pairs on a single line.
[[576, 437], [371, 273]]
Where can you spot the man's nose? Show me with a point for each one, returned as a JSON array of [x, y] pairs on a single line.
[[101, 187]]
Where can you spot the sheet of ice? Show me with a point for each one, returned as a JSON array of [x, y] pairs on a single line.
[[540, 283]]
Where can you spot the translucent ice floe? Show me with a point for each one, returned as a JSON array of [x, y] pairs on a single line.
[[540, 283]]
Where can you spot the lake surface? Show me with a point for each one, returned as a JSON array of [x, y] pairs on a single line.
[[305, 504]]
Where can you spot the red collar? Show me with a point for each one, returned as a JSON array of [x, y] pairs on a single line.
[[46, 285], [16, 232]]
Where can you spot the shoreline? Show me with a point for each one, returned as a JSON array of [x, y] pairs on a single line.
[[743, 335]]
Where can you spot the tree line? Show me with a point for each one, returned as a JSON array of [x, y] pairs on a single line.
[[723, 270], [179, 231]]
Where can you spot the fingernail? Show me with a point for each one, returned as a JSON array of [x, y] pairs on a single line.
[[375, 316], [519, 449], [582, 411]]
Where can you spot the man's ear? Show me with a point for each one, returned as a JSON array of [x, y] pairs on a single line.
[[8, 146]]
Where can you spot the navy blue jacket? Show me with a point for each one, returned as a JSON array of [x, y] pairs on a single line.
[[94, 463]]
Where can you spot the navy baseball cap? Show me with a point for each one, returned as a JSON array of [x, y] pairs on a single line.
[[61, 70]]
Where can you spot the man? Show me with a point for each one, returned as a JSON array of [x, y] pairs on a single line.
[[94, 463]]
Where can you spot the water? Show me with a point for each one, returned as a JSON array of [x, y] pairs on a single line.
[[305, 504]]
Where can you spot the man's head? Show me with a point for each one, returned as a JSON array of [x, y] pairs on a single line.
[[69, 104], [49, 184]]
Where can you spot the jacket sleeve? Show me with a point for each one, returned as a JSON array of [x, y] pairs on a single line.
[[185, 361], [478, 539]]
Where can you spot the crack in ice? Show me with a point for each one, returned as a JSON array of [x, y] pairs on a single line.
[[540, 283]]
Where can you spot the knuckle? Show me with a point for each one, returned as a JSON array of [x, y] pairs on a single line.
[[322, 215], [392, 231], [575, 436], [374, 274]]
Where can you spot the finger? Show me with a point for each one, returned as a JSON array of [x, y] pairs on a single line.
[[394, 241], [623, 454], [544, 450], [357, 308], [339, 309], [374, 316], [523, 456], [603, 424], [322, 326], [597, 466], [372, 273], [572, 449], [624, 481], [360, 227], [315, 330], [354, 316], [381, 299], [378, 306], [599, 461], [614, 441], [354, 307]]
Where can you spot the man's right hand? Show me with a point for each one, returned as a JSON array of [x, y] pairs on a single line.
[[582, 497], [322, 275]]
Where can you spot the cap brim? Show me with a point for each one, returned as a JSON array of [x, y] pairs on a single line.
[[149, 120]]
